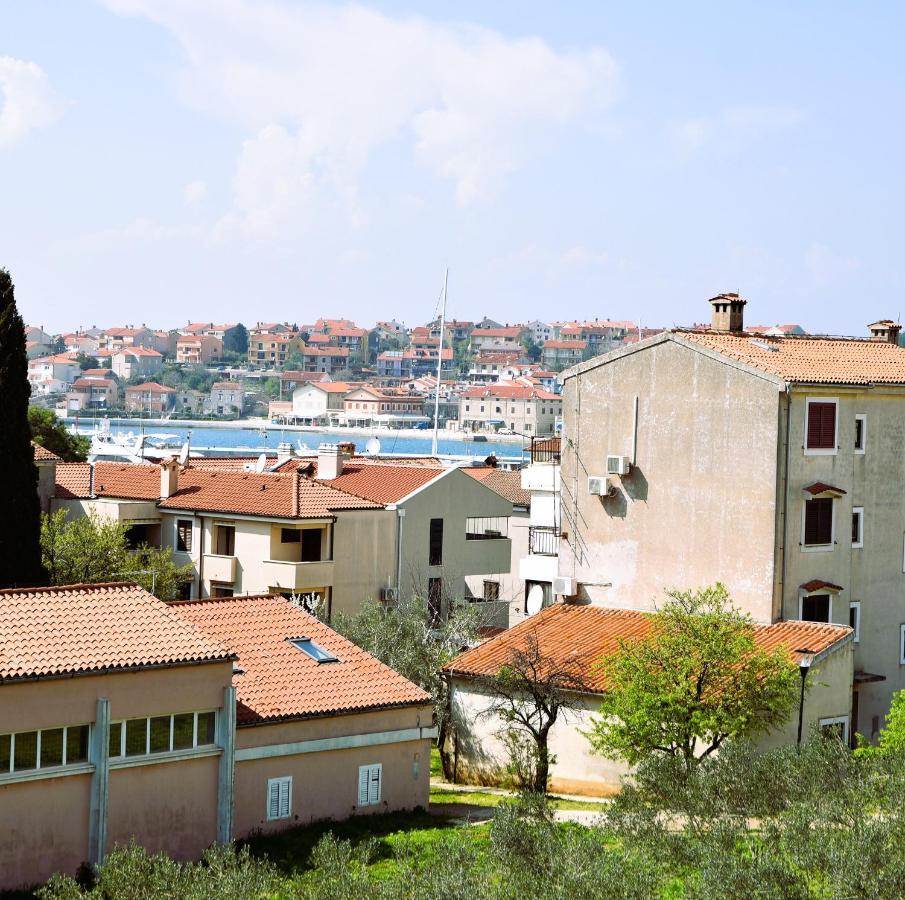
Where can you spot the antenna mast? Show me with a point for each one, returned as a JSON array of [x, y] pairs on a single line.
[[440, 364]]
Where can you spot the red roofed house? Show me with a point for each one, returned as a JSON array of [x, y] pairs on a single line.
[[516, 407], [123, 718], [136, 361], [198, 349], [764, 462], [497, 340], [318, 403], [575, 635], [561, 354], [366, 406], [150, 397]]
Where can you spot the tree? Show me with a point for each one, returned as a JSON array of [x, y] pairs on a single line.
[[48, 431], [235, 340], [91, 550], [402, 636], [533, 350], [87, 362], [20, 511], [696, 679], [529, 694], [892, 736]]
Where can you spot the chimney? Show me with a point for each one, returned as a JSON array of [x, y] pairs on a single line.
[[329, 462], [284, 452], [886, 330], [169, 477], [728, 313]]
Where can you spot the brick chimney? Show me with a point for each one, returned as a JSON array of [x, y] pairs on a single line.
[[885, 330], [329, 462], [728, 313], [169, 478]]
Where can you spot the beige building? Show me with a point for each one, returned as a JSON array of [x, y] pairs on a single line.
[[136, 361], [272, 349], [198, 349], [184, 726], [762, 462], [576, 636], [150, 397], [318, 403], [516, 407]]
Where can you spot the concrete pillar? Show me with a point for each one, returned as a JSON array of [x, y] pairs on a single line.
[[99, 757], [226, 738]]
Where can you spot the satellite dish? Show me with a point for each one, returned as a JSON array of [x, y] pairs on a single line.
[[535, 600], [261, 463], [184, 454], [372, 448]]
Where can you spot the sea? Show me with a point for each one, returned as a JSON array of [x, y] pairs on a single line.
[[258, 439]]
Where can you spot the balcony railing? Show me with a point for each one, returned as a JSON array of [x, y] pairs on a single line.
[[545, 449], [486, 528], [543, 540]]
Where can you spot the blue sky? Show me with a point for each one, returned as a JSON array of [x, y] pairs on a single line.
[[162, 160]]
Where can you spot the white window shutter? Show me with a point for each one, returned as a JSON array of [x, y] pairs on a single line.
[[364, 777], [374, 786], [279, 798], [273, 799], [285, 797]]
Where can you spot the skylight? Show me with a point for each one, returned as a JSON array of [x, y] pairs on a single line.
[[315, 651]]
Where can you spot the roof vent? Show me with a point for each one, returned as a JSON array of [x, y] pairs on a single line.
[[765, 346], [728, 313]]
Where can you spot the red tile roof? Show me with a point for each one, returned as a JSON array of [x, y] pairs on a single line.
[[505, 483], [817, 585], [42, 453], [819, 487], [125, 481], [578, 636], [565, 345], [509, 390], [279, 681], [85, 629], [383, 483], [150, 387], [497, 332], [811, 360]]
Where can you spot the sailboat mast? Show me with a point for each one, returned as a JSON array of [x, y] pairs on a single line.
[[440, 364]]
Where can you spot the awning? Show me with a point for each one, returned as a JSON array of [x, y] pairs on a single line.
[[821, 489], [811, 587], [867, 678]]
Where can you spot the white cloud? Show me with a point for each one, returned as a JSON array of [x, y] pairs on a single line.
[[194, 193], [320, 88], [732, 129], [27, 100]]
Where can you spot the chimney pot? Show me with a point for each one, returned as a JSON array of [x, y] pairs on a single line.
[[329, 462], [728, 313], [886, 330]]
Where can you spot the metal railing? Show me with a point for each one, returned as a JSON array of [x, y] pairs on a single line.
[[545, 449], [543, 540]]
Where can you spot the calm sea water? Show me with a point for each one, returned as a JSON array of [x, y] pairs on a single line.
[[256, 441]]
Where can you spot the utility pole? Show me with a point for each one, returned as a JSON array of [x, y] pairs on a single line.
[[440, 364]]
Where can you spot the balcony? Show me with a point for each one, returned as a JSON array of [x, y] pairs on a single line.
[[219, 568], [296, 576], [545, 450], [543, 540]]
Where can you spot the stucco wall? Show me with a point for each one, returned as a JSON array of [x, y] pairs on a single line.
[[364, 554], [699, 506]]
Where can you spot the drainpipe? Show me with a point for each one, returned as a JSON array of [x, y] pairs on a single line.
[[99, 756], [400, 515]]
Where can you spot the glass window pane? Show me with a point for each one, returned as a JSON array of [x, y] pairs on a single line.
[[6, 742], [160, 734], [115, 739], [51, 747], [136, 737], [26, 751], [77, 744], [183, 728], [205, 728]]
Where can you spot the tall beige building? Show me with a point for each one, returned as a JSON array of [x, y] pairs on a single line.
[[771, 464]]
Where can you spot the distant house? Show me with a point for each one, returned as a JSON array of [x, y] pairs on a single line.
[[266, 349], [52, 374], [150, 397], [227, 398], [370, 406], [92, 393], [488, 367], [562, 354], [497, 340], [318, 403], [290, 380], [324, 359], [136, 361], [114, 339], [190, 401], [199, 349], [523, 409]]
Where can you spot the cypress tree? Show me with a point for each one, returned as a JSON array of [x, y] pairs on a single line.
[[20, 511]]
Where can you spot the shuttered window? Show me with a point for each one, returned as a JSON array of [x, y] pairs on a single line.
[[818, 522], [435, 555], [184, 535], [279, 798], [369, 784], [821, 431]]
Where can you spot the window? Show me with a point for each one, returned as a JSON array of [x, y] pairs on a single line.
[[860, 432], [816, 608], [854, 619], [820, 428], [491, 590], [160, 734], [902, 644], [315, 651], [290, 536], [486, 528], [46, 749], [225, 540], [818, 522], [835, 727], [184, 535], [434, 599], [279, 798], [221, 590], [369, 778], [858, 526], [311, 544], [435, 553]]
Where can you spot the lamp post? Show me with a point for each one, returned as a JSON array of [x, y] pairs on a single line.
[[803, 668]]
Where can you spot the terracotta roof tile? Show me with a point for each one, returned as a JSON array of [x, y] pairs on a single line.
[[817, 585], [811, 360], [383, 483], [89, 628], [278, 680], [505, 483], [43, 453], [126, 481], [820, 487], [580, 635]]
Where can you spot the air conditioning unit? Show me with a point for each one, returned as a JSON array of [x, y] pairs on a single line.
[[564, 587], [389, 595], [618, 465], [600, 486]]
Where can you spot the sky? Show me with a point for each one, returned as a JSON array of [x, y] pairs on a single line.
[[171, 160]]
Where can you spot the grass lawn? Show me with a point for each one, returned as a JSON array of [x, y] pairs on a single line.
[[480, 798]]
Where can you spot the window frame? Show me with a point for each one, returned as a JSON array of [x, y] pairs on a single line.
[[859, 512], [187, 548], [829, 721], [12, 771], [823, 548], [435, 541], [369, 768], [803, 595], [862, 418], [821, 451], [321, 654], [280, 782], [494, 588], [854, 606], [158, 754], [902, 645]]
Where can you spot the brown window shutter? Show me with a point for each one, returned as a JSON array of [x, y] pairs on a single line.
[[821, 431], [818, 521]]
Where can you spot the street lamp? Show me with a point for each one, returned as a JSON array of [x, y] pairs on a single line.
[[803, 668]]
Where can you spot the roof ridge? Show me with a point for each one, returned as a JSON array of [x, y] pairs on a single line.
[[80, 585]]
